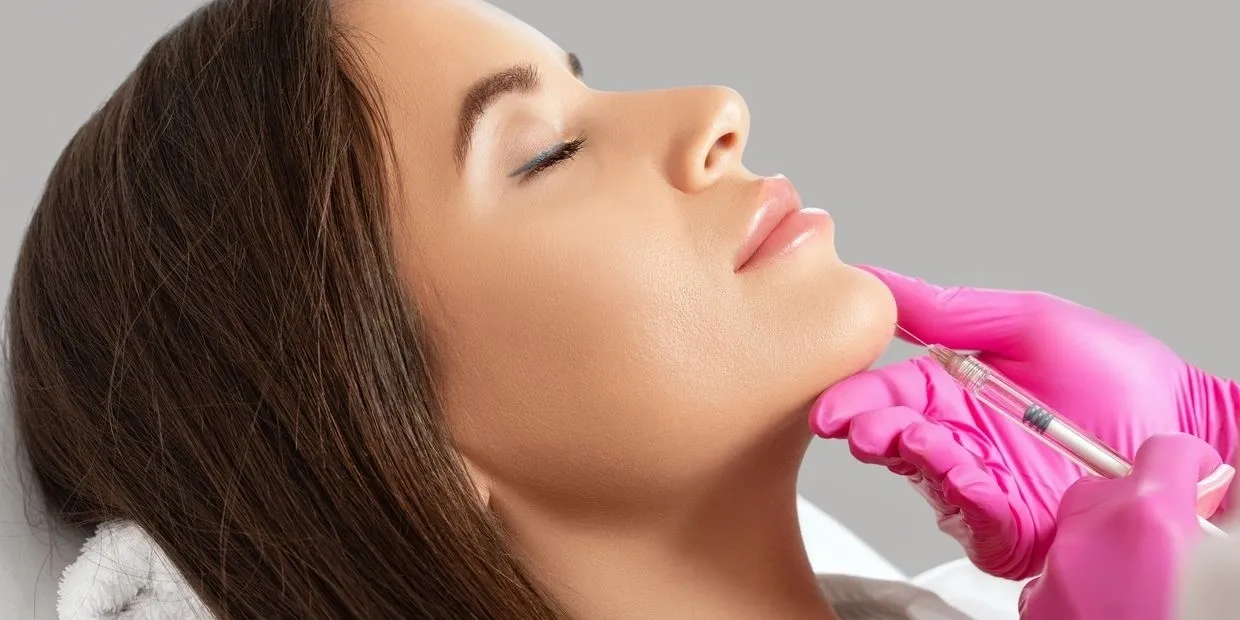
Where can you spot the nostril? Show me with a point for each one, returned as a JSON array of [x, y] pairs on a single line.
[[723, 146]]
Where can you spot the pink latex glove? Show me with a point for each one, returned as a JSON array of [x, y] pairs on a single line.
[[994, 488], [1122, 544]]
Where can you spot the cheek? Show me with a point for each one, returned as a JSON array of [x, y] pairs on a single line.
[[564, 357], [581, 356]]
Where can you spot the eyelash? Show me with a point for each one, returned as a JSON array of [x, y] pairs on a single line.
[[557, 155]]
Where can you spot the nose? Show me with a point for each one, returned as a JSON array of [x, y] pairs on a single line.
[[709, 132]]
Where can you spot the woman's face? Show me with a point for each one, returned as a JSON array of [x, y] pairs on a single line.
[[596, 337]]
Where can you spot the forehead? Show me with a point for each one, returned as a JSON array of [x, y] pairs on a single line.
[[428, 26], [424, 55]]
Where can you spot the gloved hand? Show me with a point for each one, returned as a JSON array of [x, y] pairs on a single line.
[[995, 488], [1122, 544]]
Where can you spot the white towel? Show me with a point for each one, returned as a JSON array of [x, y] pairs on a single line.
[[123, 575]]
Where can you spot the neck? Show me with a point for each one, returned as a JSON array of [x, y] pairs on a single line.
[[731, 551]]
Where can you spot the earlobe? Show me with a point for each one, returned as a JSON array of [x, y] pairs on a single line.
[[481, 482]]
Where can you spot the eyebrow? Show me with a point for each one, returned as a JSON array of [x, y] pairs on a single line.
[[486, 91]]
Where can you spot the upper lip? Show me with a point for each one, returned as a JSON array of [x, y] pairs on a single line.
[[777, 199]]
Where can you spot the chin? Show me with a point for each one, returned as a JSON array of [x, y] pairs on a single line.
[[863, 323], [876, 315]]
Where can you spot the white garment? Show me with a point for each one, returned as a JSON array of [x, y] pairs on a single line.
[[968, 589], [834, 549], [122, 575], [859, 598]]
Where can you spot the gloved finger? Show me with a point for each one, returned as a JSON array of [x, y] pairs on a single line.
[[873, 436], [931, 490], [904, 384], [987, 525], [984, 504], [1084, 495], [1231, 499], [988, 320], [968, 504], [1026, 593], [954, 478], [979, 517], [1175, 461], [933, 450]]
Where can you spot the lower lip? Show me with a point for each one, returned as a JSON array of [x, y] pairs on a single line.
[[795, 230]]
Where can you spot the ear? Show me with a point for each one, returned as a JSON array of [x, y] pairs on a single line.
[[481, 482]]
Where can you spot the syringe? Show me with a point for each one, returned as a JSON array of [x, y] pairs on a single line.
[[1002, 395]]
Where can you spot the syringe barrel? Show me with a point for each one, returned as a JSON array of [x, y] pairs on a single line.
[[1002, 395]]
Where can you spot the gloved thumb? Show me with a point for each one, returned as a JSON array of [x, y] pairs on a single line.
[[1177, 458], [1167, 466], [986, 320]]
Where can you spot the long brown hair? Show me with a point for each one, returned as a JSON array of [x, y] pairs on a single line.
[[208, 337]]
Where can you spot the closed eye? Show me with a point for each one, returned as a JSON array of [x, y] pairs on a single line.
[[551, 157]]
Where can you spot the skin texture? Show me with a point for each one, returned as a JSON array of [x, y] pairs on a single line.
[[630, 406]]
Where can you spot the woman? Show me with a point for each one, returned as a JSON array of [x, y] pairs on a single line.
[[375, 310]]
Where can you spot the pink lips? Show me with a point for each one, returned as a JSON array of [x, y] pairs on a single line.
[[779, 224]]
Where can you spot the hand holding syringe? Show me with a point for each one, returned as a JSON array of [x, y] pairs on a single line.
[[992, 489], [1003, 396]]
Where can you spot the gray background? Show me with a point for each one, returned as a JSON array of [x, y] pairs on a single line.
[[1089, 149]]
